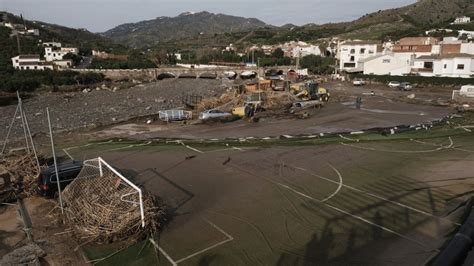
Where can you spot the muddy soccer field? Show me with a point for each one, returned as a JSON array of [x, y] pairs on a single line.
[[359, 200]]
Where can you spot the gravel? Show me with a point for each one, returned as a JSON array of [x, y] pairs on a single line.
[[91, 107]]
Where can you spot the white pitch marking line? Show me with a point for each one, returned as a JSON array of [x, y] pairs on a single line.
[[451, 146], [376, 196], [235, 148], [189, 147], [338, 188], [164, 253], [395, 151], [349, 139], [131, 146], [67, 153], [87, 145], [229, 238], [352, 215]]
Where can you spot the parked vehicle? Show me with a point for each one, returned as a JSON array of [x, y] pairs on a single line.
[[405, 86], [213, 114], [394, 84], [47, 180], [467, 90], [358, 82]]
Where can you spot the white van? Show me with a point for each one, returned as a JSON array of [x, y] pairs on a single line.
[[465, 91]]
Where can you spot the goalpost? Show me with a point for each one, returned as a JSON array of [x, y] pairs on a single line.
[[101, 196]]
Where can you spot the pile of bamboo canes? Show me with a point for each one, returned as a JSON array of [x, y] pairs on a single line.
[[104, 209]]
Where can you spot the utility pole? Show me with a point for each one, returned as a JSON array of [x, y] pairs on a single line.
[[55, 162]]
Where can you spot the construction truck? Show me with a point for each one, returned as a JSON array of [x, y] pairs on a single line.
[[254, 104], [310, 91]]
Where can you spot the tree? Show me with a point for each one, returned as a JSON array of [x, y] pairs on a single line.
[[317, 64], [76, 59], [278, 53]]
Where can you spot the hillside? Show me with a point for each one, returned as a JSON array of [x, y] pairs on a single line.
[[80, 38], [162, 29], [394, 23]]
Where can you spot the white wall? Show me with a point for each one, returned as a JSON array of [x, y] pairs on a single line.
[[387, 65], [448, 67], [349, 51], [467, 48]]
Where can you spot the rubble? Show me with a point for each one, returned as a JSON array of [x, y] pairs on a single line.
[[23, 255], [86, 109]]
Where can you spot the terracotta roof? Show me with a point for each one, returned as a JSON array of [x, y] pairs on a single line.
[[418, 41]]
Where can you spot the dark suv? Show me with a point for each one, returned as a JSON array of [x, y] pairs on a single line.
[[47, 181]]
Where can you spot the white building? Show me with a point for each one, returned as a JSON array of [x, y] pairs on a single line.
[[30, 62], [53, 53], [467, 48], [52, 44], [451, 65], [301, 51], [387, 64], [462, 20], [352, 54]]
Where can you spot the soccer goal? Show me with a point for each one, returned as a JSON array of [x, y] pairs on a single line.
[[101, 201]]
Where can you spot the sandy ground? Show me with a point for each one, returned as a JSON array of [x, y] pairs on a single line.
[[367, 204], [46, 232]]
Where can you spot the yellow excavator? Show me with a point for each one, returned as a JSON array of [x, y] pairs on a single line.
[[310, 91]]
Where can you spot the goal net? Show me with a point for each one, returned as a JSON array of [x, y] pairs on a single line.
[[102, 203]]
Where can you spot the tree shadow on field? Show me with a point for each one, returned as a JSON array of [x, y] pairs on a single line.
[[317, 250], [361, 233]]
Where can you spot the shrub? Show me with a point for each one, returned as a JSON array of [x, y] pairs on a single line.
[[30, 80]]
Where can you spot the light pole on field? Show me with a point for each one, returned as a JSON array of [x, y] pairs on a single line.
[[55, 162]]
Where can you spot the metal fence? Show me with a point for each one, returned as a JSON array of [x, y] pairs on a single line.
[[175, 115]]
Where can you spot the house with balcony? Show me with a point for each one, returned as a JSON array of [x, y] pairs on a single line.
[[352, 54]]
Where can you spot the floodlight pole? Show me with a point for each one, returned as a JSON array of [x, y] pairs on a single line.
[[9, 130], [55, 162], [26, 128], [20, 104]]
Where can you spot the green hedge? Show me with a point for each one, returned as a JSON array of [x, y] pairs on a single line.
[[439, 81], [29, 80]]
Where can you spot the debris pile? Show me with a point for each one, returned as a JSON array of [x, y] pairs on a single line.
[[225, 102], [279, 101], [105, 209], [22, 171], [24, 255]]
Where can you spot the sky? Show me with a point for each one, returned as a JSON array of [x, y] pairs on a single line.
[[101, 15]]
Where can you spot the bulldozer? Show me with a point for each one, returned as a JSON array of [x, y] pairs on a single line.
[[254, 103], [310, 91]]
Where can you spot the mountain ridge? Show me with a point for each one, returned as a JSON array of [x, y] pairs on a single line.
[[186, 24]]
